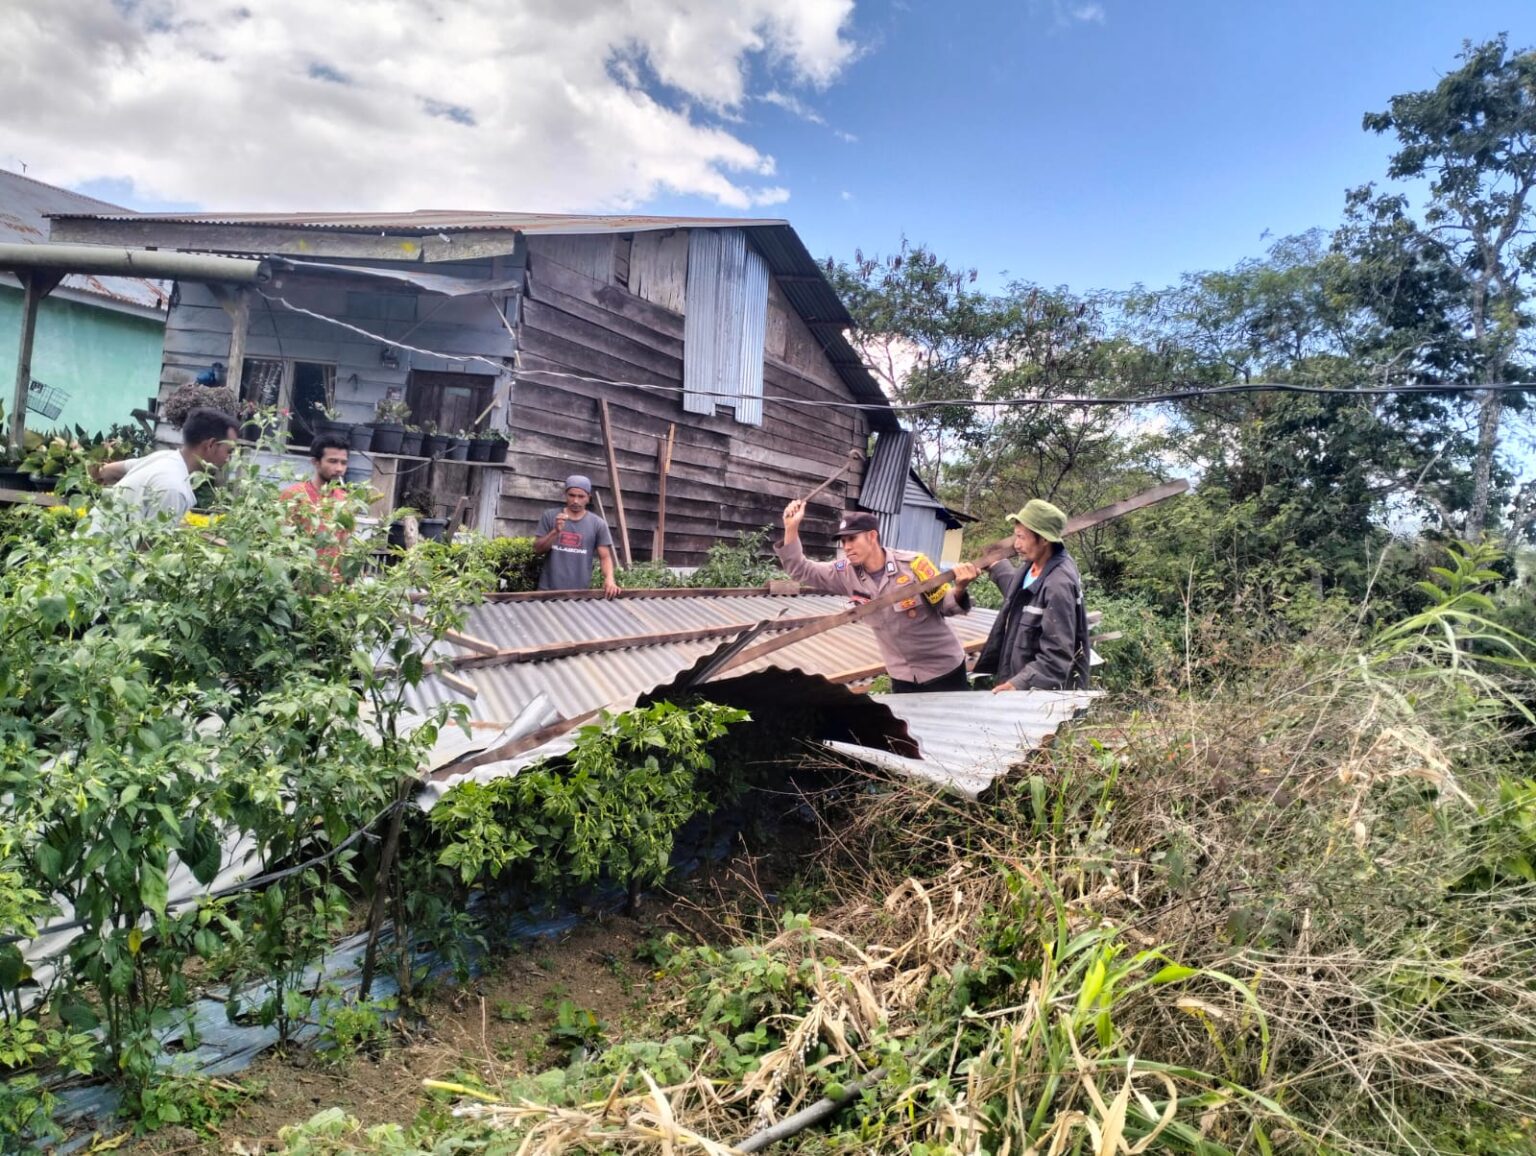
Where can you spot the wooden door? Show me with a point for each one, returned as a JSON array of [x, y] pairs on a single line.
[[453, 402]]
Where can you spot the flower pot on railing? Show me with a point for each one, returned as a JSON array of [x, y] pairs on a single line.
[[14, 479], [410, 444], [433, 445], [457, 451], [387, 436], [361, 437], [479, 450], [498, 451], [432, 529], [325, 427]]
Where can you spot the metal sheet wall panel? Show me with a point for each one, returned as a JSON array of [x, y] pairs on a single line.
[[753, 336], [886, 476], [701, 326]]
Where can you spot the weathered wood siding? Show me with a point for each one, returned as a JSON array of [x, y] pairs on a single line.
[[725, 476]]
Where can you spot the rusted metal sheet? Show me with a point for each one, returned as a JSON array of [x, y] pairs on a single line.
[[24, 208]]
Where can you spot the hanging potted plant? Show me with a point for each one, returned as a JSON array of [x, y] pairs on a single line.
[[458, 447], [389, 426]]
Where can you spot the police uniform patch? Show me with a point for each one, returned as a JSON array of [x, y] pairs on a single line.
[[841, 564], [925, 570], [902, 579]]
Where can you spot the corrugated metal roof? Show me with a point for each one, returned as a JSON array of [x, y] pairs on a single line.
[[803, 280], [25, 206], [425, 222], [585, 682], [968, 741], [885, 477]]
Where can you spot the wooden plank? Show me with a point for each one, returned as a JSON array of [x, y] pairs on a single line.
[[527, 654], [609, 297], [663, 468], [669, 344], [613, 482], [462, 685], [590, 335], [1001, 549], [34, 498], [36, 284]]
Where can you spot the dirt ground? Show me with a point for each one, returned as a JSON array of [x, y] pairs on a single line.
[[498, 1026]]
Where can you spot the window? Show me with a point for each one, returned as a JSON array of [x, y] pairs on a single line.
[[724, 325], [303, 387]]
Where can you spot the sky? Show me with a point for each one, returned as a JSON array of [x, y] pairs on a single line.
[[1087, 143]]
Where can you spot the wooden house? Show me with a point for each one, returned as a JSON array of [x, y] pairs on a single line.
[[719, 338]]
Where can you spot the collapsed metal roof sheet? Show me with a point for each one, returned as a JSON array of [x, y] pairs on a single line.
[[26, 204], [969, 741], [581, 683]]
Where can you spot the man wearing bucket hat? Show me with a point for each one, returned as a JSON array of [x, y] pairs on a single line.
[[570, 535], [920, 651], [1040, 639]]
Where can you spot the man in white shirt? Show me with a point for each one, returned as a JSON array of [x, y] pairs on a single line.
[[161, 482]]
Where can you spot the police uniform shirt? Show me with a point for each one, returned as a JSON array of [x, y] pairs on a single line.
[[916, 643]]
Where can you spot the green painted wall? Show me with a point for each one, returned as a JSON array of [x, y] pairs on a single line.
[[109, 362]]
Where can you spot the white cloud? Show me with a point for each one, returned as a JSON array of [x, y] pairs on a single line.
[[1088, 13], [366, 104], [792, 105], [846, 195]]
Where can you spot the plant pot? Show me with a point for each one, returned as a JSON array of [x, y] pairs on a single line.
[[498, 452], [324, 427], [387, 437], [396, 536], [432, 529], [410, 444], [433, 445], [41, 483], [361, 437], [13, 479], [479, 450], [457, 451]]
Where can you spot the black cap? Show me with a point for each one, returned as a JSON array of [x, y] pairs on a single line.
[[856, 522]]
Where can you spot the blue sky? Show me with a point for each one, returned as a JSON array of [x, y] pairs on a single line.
[[1148, 140], [1092, 143]]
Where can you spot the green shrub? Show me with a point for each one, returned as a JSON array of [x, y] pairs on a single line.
[[610, 812]]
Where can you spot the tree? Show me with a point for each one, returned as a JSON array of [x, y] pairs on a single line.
[[1473, 137]]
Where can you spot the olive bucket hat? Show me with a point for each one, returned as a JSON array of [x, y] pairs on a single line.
[[1043, 518]]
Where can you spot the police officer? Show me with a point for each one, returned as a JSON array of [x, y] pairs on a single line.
[[920, 651]]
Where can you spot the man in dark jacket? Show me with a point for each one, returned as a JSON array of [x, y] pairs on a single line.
[[1040, 639]]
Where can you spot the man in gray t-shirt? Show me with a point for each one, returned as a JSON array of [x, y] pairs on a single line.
[[569, 536]]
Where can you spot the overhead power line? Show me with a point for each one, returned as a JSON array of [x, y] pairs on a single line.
[[1169, 391]]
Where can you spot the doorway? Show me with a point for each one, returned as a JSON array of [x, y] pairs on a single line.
[[453, 403]]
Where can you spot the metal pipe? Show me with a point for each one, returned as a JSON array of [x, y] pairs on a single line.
[[152, 263], [804, 1118]]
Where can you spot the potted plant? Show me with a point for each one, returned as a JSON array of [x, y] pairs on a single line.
[[410, 442], [12, 476], [431, 527], [458, 447], [496, 452], [327, 422], [480, 446], [433, 443], [194, 395], [389, 426]]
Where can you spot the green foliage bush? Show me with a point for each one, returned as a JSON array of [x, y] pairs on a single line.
[[165, 688], [611, 810]]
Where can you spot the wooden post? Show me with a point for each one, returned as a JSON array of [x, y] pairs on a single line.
[[383, 483], [240, 314], [36, 284], [613, 481], [664, 467]]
